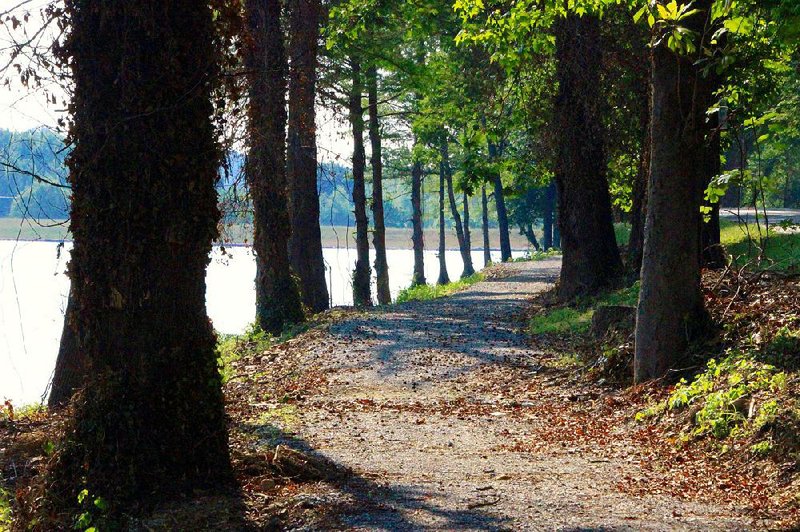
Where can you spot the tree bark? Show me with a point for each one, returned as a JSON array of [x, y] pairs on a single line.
[[278, 300], [443, 277], [361, 275], [469, 269], [639, 204], [150, 421], [591, 257], [71, 363], [417, 238], [670, 311], [305, 242], [487, 250], [379, 232], [500, 203]]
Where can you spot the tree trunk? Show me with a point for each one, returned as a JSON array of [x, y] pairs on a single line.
[[527, 230], [278, 300], [591, 257], [379, 233], [467, 232], [417, 238], [487, 249], [443, 277], [71, 364], [639, 204], [500, 203], [549, 215], [305, 242], [361, 275], [670, 309], [150, 422], [469, 269]]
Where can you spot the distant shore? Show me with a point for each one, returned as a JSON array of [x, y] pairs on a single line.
[[239, 235]]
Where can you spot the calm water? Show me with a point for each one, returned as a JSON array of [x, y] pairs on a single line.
[[33, 296]]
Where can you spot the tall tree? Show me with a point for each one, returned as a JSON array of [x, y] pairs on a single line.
[[417, 235], [277, 295], [671, 308], [487, 250], [361, 275], [467, 232], [443, 277], [150, 422], [305, 243], [379, 229], [500, 204], [466, 257], [591, 257]]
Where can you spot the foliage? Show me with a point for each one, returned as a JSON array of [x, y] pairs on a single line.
[[736, 397], [6, 516], [427, 292]]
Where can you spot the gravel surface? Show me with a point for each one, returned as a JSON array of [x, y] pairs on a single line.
[[417, 407]]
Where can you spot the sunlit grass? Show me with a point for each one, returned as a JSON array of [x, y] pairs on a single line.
[[577, 319], [742, 241], [427, 292]]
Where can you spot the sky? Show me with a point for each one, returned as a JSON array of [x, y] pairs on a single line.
[[23, 109]]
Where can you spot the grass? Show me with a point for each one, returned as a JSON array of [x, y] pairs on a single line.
[[427, 292], [538, 255], [577, 319], [231, 347], [781, 251]]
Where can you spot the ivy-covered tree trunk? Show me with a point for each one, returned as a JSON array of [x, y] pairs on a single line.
[[469, 269], [150, 422], [71, 363], [487, 250], [591, 257], [500, 204], [671, 310], [305, 242], [417, 238], [277, 295], [361, 275], [379, 230], [443, 277]]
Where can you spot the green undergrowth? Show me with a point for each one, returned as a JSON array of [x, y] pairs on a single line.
[[427, 292], [231, 347], [577, 317], [537, 255], [31, 412], [6, 521], [781, 250], [747, 397]]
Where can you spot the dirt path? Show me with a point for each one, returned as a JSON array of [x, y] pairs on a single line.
[[448, 421]]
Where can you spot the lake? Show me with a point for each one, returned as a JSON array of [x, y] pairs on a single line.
[[34, 288]]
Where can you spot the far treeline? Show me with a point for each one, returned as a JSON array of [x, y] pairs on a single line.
[[564, 115]]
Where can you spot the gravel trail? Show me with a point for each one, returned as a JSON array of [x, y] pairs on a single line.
[[430, 404]]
